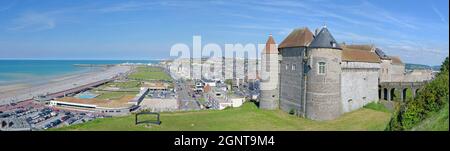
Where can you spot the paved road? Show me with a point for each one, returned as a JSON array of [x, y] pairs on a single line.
[[184, 97]]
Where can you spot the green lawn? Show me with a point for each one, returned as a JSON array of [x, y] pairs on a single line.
[[149, 74], [377, 106], [124, 85], [246, 118], [113, 95]]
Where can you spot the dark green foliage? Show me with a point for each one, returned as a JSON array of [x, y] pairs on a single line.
[[431, 98], [445, 67], [292, 111]]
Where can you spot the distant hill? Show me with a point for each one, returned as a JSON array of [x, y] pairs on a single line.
[[412, 66]]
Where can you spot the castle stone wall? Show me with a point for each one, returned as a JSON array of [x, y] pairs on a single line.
[[269, 84], [359, 84], [323, 98], [291, 80]]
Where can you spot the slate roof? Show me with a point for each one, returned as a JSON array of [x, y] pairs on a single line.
[[300, 37], [324, 39], [381, 54]]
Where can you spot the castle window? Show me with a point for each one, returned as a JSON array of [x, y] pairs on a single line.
[[287, 66], [333, 44], [293, 67], [321, 68]]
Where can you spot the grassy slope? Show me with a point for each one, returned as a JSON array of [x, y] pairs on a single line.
[[248, 117], [149, 73], [377, 107], [435, 122]]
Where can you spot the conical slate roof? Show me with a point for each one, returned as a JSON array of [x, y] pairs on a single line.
[[324, 39], [271, 46]]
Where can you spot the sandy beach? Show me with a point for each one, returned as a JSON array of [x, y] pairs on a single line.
[[19, 92]]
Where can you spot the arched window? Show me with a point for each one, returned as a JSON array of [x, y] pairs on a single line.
[[321, 67]]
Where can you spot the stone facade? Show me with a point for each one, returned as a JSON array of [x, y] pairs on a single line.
[[269, 77], [292, 80], [320, 80], [391, 72], [323, 89], [359, 84]]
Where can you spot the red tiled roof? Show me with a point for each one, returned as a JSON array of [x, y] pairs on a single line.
[[358, 55], [358, 47], [270, 46], [298, 38]]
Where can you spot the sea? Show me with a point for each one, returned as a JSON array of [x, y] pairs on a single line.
[[30, 71]]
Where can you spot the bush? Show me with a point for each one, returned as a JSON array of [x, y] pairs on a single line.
[[292, 111], [431, 98]]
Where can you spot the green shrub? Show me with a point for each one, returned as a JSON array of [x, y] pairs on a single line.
[[292, 111], [431, 98]]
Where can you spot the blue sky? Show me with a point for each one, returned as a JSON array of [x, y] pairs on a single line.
[[416, 30]]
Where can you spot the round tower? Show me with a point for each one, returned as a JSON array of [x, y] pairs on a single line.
[[269, 76], [323, 86]]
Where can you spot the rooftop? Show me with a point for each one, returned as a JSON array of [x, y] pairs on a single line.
[[364, 47], [324, 39], [359, 55], [270, 46], [122, 102], [300, 37]]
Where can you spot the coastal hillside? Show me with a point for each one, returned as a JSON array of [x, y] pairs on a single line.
[[412, 66], [435, 122], [428, 110], [245, 118]]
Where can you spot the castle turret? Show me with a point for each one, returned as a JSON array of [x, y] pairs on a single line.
[[324, 77], [269, 76]]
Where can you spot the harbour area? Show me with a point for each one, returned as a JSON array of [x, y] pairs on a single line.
[[26, 107], [112, 90]]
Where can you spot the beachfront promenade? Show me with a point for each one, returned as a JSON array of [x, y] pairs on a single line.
[[55, 88]]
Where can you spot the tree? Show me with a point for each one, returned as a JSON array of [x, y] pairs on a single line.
[[431, 98], [445, 67]]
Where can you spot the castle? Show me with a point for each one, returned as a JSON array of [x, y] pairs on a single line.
[[313, 76]]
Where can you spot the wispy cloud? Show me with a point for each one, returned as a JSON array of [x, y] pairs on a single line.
[[439, 14], [143, 5], [33, 21], [128, 6], [7, 6]]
